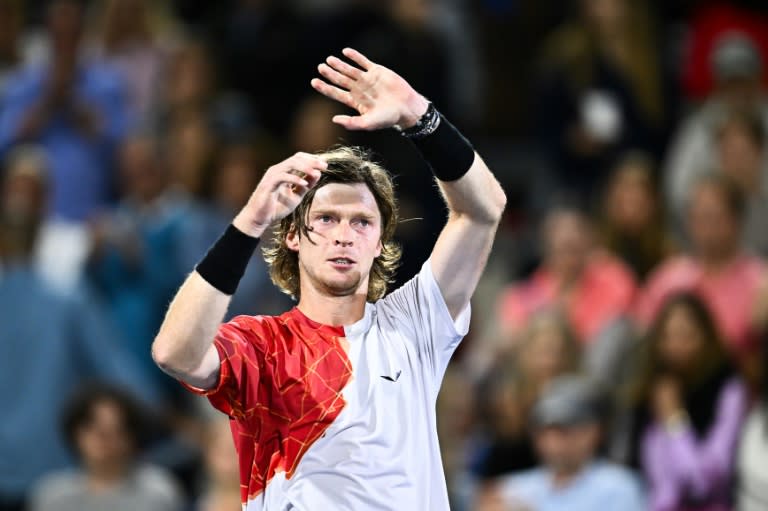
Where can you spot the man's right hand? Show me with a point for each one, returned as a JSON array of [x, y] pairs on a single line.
[[279, 192]]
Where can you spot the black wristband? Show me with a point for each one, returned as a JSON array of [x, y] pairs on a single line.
[[448, 153], [224, 264]]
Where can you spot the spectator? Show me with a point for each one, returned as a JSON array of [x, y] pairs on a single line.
[[752, 479], [103, 427], [567, 427], [740, 143], [738, 69], [689, 410], [127, 37], [59, 248], [592, 286], [134, 265], [546, 351], [195, 117], [75, 109], [311, 131], [716, 268], [10, 28], [222, 483], [704, 26], [632, 224], [49, 342], [601, 92]]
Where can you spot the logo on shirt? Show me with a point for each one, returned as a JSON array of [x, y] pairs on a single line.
[[392, 378]]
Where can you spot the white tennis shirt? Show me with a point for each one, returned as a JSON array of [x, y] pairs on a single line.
[[340, 418]]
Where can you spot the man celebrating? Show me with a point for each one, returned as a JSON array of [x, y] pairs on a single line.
[[332, 404]]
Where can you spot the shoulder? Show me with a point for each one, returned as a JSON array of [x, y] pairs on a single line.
[[754, 265], [605, 266], [612, 475], [259, 330], [59, 485], [525, 482], [152, 480], [677, 265], [26, 80]]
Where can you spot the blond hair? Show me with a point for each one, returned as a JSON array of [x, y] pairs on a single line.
[[345, 165]]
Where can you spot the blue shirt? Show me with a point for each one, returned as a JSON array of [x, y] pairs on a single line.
[[81, 167], [49, 345], [600, 486]]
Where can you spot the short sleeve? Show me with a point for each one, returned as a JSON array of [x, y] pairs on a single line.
[[240, 348], [420, 309]]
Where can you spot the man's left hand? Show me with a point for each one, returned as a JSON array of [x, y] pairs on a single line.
[[381, 97]]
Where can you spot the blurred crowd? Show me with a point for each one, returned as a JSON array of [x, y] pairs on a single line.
[[617, 354]]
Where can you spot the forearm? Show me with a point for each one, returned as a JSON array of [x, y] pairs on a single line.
[[477, 195], [184, 346]]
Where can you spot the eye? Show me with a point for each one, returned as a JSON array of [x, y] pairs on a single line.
[[361, 222], [326, 219]]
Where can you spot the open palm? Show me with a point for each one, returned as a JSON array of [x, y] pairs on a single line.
[[382, 98]]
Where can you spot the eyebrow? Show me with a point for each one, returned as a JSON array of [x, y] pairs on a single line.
[[328, 211]]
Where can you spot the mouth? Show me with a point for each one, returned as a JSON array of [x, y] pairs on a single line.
[[341, 261]]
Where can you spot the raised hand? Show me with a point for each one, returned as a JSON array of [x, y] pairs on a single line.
[[381, 97], [279, 192]]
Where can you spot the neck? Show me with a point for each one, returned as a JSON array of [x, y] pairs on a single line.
[[332, 310], [563, 476], [715, 261], [106, 476]]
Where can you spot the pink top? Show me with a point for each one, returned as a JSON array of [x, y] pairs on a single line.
[[730, 294], [604, 291]]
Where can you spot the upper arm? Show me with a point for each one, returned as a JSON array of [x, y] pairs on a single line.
[[723, 436], [206, 377], [475, 202], [231, 369]]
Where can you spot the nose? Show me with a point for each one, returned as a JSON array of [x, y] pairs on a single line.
[[343, 235]]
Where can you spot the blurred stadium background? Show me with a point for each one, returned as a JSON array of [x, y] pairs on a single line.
[[630, 137]]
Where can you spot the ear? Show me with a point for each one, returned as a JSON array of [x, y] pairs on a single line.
[[379, 247], [292, 240]]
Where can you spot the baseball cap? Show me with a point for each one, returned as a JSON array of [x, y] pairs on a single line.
[[567, 401], [735, 56]]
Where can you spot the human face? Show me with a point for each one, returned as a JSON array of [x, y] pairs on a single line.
[[740, 157], [345, 226], [713, 228], [630, 203], [543, 357], [681, 339], [103, 443], [567, 243], [566, 449]]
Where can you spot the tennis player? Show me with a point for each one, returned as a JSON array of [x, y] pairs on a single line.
[[332, 404]]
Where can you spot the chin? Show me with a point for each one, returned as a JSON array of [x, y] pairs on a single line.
[[342, 286]]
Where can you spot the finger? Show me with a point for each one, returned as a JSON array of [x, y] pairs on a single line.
[[309, 166], [290, 179], [309, 175], [349, 122], [342, 67], [307, 160], [335, 77], [336, 94], [358, 58]]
